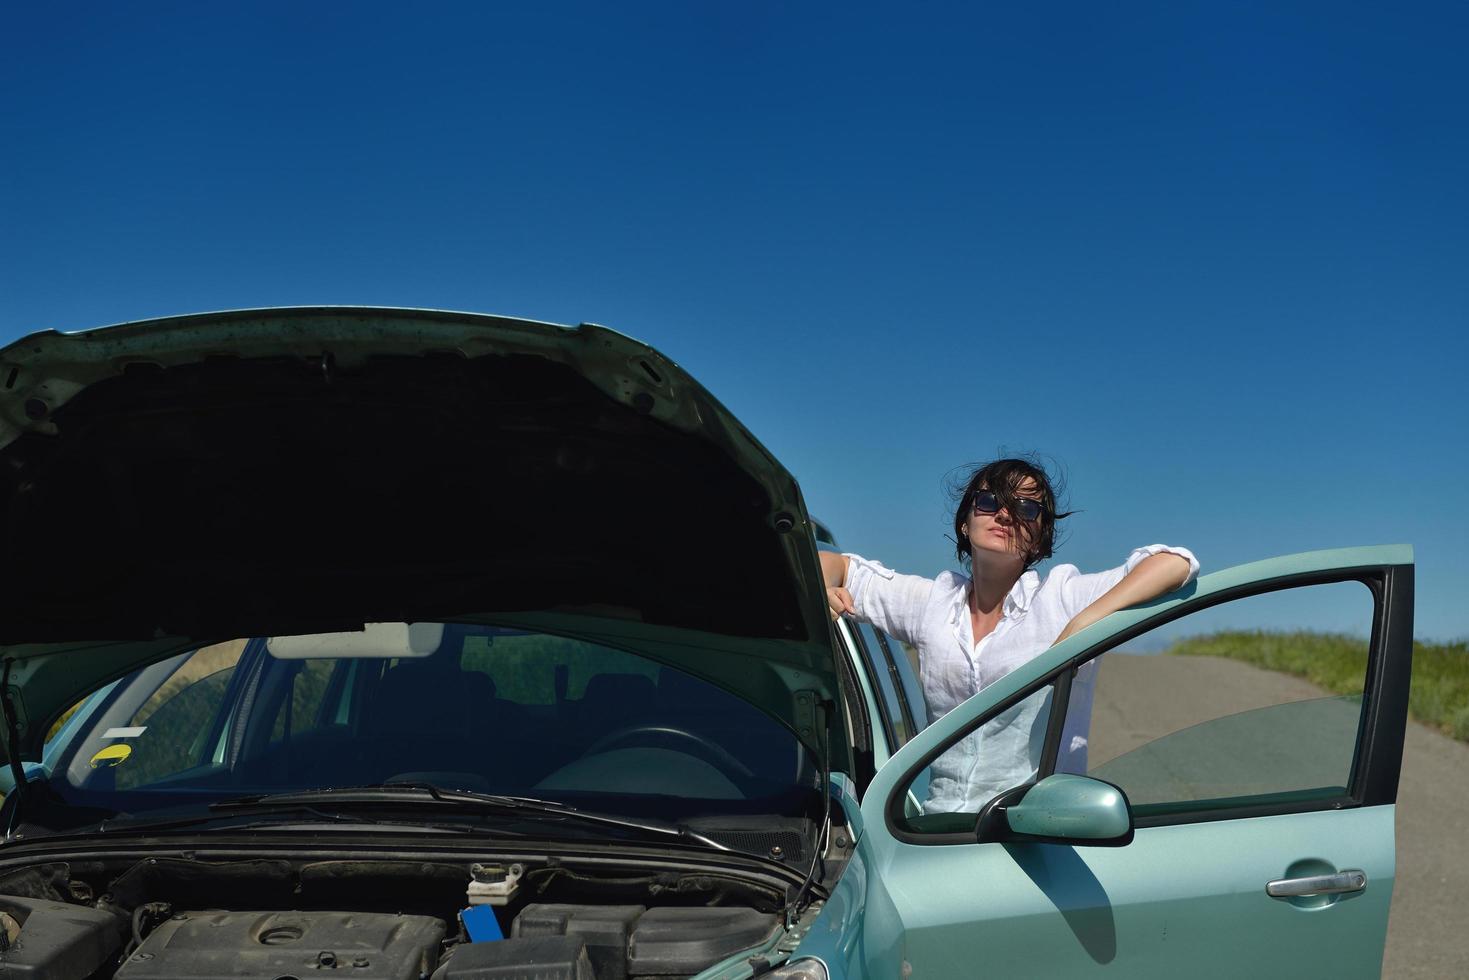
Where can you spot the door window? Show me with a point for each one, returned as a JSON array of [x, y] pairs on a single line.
[[1255, 702], [904, 661], [897, 720], [1006, 751]]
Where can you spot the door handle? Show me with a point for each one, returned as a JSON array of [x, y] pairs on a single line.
[[1337, 884]]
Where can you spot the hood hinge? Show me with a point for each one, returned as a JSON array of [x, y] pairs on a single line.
[[812, 718]]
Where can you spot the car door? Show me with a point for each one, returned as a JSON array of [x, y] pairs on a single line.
[[1261, 838]]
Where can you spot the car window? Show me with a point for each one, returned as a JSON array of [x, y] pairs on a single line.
[[1197, 717], [302, 711], [903, 661], [1192, 717], [897, 717], [1006, 751], [528, 667], [483, 708], [171, 732]]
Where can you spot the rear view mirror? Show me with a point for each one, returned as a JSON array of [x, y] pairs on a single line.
[[376, 640], [1060, 809]]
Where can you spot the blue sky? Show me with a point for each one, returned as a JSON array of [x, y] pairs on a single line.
[[1213, 261]]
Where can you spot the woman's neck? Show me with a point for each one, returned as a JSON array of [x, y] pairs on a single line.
[[992, 581]]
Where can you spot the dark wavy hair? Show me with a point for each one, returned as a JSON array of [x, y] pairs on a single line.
[[1001, 477]]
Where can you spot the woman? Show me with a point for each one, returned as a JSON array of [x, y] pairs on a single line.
[[970, 631]]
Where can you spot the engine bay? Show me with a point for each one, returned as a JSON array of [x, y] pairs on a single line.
[[181, 918]]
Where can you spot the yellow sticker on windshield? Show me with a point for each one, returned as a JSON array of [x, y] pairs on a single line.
[[112, 755]]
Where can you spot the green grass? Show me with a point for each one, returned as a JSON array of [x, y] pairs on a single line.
[[1438, 698]]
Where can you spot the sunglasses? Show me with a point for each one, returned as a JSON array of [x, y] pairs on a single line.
[[1025, 509]]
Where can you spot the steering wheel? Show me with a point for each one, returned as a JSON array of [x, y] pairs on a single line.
[[711, 752]]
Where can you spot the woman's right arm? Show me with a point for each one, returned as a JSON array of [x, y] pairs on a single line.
[[874, 593]]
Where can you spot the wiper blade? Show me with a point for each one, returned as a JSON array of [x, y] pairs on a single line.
[[419, 793], [125, 822]]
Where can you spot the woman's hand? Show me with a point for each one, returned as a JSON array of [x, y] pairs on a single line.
[[839, 601], [834, 573]]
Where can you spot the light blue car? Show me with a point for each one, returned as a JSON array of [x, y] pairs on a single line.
[[382, 643]]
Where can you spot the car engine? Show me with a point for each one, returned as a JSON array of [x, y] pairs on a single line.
[[154, 921]]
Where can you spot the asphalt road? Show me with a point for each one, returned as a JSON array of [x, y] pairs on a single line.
[[1428, 932]]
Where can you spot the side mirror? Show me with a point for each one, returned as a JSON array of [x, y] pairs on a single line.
[[1060, 809]]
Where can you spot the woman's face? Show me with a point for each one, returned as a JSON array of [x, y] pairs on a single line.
[[1001, 533]]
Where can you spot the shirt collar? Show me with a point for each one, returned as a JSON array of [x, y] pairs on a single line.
[[1017, 600]]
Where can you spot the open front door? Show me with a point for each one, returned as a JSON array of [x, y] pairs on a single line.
[[1261, 811]]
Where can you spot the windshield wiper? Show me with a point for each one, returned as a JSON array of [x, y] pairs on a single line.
[[145, 822], [420, 793]]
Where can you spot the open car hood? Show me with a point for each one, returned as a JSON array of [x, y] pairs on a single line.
[[179, 481]]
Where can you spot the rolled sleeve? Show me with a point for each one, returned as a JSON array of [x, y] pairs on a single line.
[[1082, 590], [893, 603], [1138, 554]]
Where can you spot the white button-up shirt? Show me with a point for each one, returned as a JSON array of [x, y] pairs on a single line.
[[933, 616]]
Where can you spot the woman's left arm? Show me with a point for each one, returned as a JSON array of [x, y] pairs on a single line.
[[1148, 579]]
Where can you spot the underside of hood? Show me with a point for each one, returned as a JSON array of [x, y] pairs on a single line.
[[306, 470]]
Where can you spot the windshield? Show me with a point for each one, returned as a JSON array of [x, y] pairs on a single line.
[[469, 707]]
